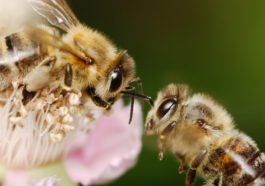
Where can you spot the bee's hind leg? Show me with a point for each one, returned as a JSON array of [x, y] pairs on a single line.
[[39, 77]]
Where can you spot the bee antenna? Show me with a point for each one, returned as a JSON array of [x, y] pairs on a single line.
[[132, 104], [140, 88], [131, 92], [149, 99]]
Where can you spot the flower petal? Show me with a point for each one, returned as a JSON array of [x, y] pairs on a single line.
[[109, 150], [16, 178]]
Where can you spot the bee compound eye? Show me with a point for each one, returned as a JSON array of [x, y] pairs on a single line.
[[116, 80], [166, 106]]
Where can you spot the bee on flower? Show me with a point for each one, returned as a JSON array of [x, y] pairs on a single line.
[[57, 80]]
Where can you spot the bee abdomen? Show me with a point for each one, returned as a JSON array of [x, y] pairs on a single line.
[[18, 55], [257, 161], [17, 48], [240, 162]]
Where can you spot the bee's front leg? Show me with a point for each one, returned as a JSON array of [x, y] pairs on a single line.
[[195, 163]]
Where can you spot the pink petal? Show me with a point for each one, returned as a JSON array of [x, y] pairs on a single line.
[[111, 148], [16, 178]]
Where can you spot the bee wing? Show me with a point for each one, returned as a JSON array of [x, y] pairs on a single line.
[[44, 37], [56, 12]]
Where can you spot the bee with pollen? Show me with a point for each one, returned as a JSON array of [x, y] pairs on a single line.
[[201, 132], [82, 61], [53, 74]]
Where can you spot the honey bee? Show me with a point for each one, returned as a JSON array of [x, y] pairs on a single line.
[[81, 60], [201, 132]]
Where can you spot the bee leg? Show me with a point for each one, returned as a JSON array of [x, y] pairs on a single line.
[[48, 61], [182, 166], [96, 99], [27, 96], [163, 138], [89, 60], [39, 77], [68, 75], [191, 174], [161, 144], [149, 99], [132, 104], [217, 181], [195, 163], [132, 89], [140, 88]]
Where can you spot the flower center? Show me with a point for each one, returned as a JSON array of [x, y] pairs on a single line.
[[41, 131]]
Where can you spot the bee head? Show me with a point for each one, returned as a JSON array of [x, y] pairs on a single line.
[[110, 71], [167, 109], [118, 76], [115, 78]]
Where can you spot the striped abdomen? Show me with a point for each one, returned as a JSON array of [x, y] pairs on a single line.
[[240, 162], [18, 55]]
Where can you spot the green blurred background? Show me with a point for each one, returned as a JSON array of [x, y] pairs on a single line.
[[217, 47]]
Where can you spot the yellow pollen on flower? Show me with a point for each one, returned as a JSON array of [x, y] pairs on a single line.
[[68, 128], [56, 138]]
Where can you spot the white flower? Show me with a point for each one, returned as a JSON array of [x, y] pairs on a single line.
[[50, 137]]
